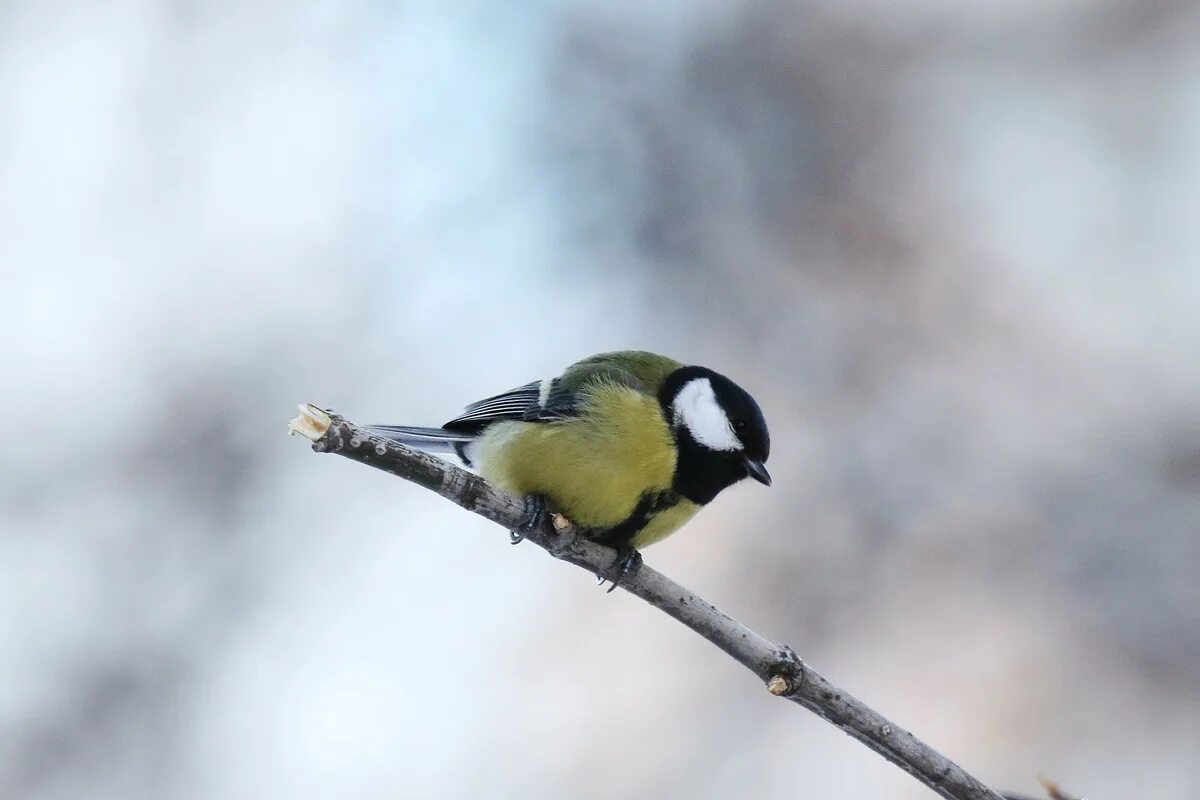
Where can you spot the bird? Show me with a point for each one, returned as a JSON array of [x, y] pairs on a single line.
[[627, 445]]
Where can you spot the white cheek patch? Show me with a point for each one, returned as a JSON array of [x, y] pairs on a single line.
[[697, 409]]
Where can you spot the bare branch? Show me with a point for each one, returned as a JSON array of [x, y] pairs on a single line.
[[784, 674]]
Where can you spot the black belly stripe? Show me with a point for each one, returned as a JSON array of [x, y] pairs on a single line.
[[649, 506]]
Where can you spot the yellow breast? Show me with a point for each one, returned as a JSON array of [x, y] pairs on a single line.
[[664, 523], [594, 467]]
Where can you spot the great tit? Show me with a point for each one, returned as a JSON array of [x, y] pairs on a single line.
[[627, 445]]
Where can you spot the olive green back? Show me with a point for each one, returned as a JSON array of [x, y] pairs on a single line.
[[637, 369]]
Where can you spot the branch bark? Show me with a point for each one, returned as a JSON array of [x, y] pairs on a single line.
[[784, 674]]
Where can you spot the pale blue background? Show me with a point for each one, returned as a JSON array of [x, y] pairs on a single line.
[[951, 247]]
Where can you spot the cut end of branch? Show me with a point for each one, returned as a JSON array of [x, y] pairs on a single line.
[[779, 686], [311, 424]]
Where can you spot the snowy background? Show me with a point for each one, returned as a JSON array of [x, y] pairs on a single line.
[[954, 249]]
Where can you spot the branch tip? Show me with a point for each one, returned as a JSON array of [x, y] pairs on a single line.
[[311, 424], [1053, 789]]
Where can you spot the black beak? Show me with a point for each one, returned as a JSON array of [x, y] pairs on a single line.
[[758, 471]]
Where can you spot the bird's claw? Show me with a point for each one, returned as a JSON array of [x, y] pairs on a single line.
[[626, 563], [535, 515]]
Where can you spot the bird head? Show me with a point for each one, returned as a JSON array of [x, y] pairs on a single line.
[[719, 430]]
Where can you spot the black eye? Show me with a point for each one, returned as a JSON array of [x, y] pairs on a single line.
[[739, 425]]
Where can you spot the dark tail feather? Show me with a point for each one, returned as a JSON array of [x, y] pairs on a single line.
[[432, 440]]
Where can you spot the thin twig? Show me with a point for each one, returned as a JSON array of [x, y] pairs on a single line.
[[1053, 791], [784, 674]]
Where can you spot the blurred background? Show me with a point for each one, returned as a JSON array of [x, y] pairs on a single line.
[[952, 248]]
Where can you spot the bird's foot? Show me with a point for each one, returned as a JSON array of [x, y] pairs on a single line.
[[626, 563], [535, 515]]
